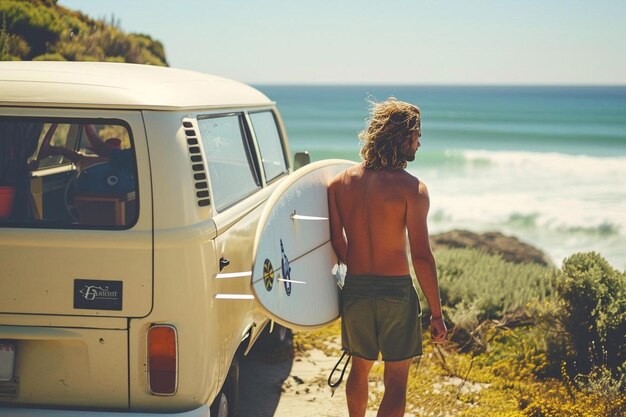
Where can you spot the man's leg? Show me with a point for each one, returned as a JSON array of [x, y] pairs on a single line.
[[356, 386], [394, 399]]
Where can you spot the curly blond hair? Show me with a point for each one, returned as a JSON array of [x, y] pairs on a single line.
[[389, 133]]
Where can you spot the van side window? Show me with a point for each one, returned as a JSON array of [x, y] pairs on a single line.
[[59, 173], [228, 158], [270, 144]]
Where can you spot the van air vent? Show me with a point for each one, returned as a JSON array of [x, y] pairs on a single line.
[[197, 165]]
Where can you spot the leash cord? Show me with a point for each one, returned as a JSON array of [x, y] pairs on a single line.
[[343, 371]]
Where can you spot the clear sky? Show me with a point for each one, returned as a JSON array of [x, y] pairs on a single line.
[[384, 42]]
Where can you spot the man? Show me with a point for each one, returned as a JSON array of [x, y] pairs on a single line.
[[372, 206]]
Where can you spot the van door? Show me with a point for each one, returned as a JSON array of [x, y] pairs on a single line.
[[77, 240], [235, 183]]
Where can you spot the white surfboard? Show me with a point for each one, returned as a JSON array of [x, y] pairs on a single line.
[[292, 274]]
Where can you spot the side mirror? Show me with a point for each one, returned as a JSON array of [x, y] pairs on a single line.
[[301, 159]]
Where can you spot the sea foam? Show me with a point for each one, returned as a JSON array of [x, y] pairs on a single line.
[[562, 203]]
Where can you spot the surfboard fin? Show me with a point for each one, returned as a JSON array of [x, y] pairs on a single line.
[[295, 216], [300, 217], [292, 281], [234, 297], [228, 275]]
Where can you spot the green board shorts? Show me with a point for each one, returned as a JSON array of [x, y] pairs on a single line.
[[381, 314]]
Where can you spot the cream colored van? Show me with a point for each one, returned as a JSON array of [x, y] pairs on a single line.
[[129, 197]]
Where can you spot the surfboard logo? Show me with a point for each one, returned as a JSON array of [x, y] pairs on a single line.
[[285, 268], [268, 275]]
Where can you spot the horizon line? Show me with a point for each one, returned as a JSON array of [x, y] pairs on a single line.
[[383, 84]]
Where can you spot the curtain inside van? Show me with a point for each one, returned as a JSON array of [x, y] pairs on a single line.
[[18, 142]]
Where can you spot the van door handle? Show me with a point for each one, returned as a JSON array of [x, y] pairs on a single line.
[[224, 263]]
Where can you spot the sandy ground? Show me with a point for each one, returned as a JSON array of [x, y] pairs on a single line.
[[291, 388], [271, 387]]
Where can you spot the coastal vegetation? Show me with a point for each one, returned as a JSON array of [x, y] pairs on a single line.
[[43, 30], [526, 340]]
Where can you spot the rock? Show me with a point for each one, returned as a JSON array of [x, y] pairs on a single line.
[[510, 248]]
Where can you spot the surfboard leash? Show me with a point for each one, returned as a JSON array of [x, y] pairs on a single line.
[[333, 385]]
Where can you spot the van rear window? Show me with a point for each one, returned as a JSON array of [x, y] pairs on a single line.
[[67, 173]]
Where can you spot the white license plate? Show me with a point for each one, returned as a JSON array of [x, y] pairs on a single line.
[[7, 360]]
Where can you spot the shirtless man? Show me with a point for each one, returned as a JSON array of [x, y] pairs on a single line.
[[372, 206]]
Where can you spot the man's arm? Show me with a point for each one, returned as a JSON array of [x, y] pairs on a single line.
[[337, 237], [97, 144], [422, 256]]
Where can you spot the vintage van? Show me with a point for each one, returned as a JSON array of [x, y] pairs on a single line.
[[129, 197]]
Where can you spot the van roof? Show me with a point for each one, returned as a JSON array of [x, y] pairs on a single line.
[[120, 86]]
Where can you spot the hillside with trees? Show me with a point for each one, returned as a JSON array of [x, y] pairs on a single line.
[[43, 30]]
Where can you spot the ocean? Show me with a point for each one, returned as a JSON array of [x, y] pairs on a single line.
[[544, 164]]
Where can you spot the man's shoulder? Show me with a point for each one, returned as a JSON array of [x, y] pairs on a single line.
[[408, 176], [406, 179], [346, 173], [414, 187]]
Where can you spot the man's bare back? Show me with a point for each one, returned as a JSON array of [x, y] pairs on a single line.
[[374, 207]]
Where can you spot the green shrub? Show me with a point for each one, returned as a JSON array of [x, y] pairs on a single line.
[[72, 46], [35, 28], [115, 59], [38, 25], [17, 46], [12, 46], [154, 53], [49, 57], [476, 286], [593, 302], [4, 38]]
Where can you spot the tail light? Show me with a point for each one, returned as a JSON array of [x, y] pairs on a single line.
[[162, 359]]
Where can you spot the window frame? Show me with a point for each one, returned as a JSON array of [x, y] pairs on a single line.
[[251, 152], [280, 137], [71, 167]]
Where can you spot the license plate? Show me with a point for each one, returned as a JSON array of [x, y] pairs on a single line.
[[7, 360]]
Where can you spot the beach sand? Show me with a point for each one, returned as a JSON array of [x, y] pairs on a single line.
[[294, 387]]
